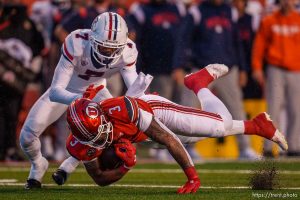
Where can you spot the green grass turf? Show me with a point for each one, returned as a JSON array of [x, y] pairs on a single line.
[[213, 178]]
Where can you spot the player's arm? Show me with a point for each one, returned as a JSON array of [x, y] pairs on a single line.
[[104, 178], [129, 56], [158, 132], [62, 75], [60, 81]]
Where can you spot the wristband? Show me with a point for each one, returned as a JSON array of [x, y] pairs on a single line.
[[191, 173]]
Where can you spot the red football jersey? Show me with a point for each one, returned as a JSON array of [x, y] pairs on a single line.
[[81, 151], [123, 113]]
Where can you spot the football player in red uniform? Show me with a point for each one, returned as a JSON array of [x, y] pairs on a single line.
[[125, 120]]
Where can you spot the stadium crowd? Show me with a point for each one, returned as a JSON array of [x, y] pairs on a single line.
[[258, 40]]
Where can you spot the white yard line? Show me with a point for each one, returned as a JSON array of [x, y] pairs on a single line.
[[167, 171], [8, 180], [142, 186]]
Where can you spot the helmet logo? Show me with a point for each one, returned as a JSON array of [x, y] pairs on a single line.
[[92, 111]]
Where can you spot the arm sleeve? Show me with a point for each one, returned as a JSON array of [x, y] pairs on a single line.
[[62, 76], [129, 75]]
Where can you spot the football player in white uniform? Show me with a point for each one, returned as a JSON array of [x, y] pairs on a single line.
[[88, 57]]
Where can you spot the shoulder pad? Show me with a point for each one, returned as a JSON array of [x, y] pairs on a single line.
[[81, 151], [132, 109], [130, 53], [74, 44]]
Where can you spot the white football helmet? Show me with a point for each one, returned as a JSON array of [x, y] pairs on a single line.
[[108, 37]]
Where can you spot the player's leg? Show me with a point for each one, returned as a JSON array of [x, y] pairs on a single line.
[[67, 167], [43, 113], [229, 92], [199, 81], [260, 125]]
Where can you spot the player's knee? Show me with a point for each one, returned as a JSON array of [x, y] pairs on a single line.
[[26, 137]]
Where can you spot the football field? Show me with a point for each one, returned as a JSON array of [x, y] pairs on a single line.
[[155, 181]]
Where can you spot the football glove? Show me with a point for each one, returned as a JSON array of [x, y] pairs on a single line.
[[91, 92], [193, 183], [126, 151]]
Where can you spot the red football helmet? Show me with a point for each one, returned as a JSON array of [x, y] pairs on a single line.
[[88, 123]]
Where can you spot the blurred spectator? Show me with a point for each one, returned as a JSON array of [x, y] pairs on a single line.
[[247, 26], [20, 47], [154, 27], [210, 32], [277, 43]]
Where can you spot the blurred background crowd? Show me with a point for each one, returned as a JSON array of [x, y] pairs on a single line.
[[259, 40]]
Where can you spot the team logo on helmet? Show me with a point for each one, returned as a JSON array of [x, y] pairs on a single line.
[[92, 111]]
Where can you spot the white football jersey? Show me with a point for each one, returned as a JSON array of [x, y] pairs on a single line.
[[78, 68], [77, 49]]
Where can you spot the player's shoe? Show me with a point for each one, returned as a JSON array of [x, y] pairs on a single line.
[[37, 172], [32, 184], [201, 79], [269, 131], [60, 176]]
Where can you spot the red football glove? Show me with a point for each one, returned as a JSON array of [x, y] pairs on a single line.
[[126, 151], [193, 183], [91, 92]]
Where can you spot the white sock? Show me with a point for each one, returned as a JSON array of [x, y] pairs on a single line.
[[69, 165], [238, 127]]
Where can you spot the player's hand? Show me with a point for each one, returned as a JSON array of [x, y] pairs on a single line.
[[91, 92], [191, 186], [126, 151], [193, 183]]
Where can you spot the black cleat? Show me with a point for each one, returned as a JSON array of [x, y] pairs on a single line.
[[32, 184], [60, 176]]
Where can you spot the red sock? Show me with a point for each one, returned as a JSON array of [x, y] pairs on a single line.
[[191, 173], [251, 128], [203, 78]]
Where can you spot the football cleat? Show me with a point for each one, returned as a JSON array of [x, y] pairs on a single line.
[[201, 79], [217, 70], [269, 131], [32, 184], [60, 176]]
